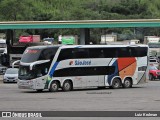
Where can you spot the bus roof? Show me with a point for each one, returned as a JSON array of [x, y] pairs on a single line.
[[99, 46], [84, 46], [44, 46]]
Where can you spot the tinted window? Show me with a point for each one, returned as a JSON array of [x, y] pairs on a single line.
[[65, 54], [30, 55], [124, 52], [80, 53], [73, 53], [25, 73], [139, 51], [108, 52], [85, 71], [96, 53], [41, 69], [38, 70], [48, 53]]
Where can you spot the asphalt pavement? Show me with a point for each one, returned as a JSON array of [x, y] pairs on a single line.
[[143, 97]]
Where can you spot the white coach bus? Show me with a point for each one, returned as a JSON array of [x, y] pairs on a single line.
[[82, 66]]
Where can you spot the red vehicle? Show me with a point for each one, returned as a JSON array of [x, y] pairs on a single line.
[[154, 73], [29, 39]]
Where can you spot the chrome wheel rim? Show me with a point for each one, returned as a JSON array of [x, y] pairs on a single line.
[[127, 83], [67, 86], [54, 86], [116, 84]]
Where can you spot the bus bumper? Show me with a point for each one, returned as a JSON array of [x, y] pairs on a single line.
[[25, 84]]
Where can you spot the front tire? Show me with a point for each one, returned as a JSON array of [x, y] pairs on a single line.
[[54, 86], [67, 86], [115, 83], [127, 83]]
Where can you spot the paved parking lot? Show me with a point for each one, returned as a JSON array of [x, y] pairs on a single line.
[[144, 97]]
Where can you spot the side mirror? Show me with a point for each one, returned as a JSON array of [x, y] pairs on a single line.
[[15, 62]]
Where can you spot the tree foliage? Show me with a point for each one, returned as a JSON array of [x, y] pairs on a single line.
[[55, 10]]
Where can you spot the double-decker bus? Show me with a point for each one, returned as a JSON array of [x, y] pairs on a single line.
[[82, 66]]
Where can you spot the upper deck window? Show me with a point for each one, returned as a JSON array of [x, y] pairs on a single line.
[[32, 54]]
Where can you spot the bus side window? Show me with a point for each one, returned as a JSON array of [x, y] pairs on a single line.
[[96, 53], [81, 53], [42, 56], [110, 52], [65, 54], [134, 52], [139, 52], [124, 52]]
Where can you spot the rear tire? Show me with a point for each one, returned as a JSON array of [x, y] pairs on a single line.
[[115, 83], [67, 86], [127, 83], [54, 86]]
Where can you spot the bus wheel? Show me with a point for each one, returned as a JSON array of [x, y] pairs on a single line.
[[67, 85], [127, 83], [54, 86], [115, 83]]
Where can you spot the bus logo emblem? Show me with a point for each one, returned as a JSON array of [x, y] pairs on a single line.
[[71, 62]]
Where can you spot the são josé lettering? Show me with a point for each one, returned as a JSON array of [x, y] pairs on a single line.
[[82, 62]]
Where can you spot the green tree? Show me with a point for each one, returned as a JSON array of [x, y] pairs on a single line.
[[12, 10]]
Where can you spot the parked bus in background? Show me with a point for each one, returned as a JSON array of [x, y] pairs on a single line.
[[151, 39], [82, 66], [154, 49], [3, 46]]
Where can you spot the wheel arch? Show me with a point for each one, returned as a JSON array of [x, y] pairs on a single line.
[[56, 81], [65, 79], [116, 77], [128, 77]]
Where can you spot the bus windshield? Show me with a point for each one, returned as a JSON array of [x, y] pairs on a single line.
[[25, 73], [31, 55], [38, 71], [34, 54]]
